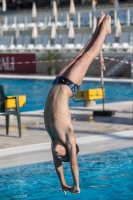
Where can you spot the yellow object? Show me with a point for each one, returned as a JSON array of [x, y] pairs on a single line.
[[92, 94], [10, 103]]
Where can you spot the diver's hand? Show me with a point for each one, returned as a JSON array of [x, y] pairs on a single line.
[[66, 188], [75, 190]]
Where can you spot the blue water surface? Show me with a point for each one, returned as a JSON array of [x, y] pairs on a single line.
[[103, 176], [36, 91]]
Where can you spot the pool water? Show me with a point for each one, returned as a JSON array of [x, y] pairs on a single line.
[[36, 91], [103, 176]]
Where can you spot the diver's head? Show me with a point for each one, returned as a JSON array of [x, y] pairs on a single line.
[[62, 153]]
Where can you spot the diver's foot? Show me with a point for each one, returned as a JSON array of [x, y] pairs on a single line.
[[106, 24], [100, 19]]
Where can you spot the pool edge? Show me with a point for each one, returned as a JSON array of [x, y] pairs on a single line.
[[81, 140]]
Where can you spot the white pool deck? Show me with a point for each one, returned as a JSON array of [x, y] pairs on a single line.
[[93, 134]]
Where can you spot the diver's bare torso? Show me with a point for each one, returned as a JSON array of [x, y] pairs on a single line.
[[57, 114]]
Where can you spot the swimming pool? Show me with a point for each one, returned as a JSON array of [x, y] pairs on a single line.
[[103, 176], [36, 91]]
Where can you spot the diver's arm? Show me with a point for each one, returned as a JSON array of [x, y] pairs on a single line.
[[59, 168], [60, 174], [74, 165]]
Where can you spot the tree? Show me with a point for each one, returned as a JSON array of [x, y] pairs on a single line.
[[50, 56]]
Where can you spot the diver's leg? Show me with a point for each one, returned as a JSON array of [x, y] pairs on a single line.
[[86, 47], [78, 71]]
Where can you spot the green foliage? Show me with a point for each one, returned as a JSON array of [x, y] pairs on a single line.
[[50, 56]]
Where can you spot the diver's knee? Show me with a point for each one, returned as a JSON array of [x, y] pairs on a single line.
[[88, 54]]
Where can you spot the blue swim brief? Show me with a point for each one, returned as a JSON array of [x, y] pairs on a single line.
[[63, 80]]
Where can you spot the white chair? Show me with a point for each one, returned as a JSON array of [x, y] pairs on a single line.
[[48, 20], [38, 42], [10, 43], [78, 41], [131, 16], [85, 18], [65, 40], [131, 39], [30, 46], [40, 22], [12, 22], [115, 46], [19, 43], [3, 46], [41, 42], [86, 37], [56, 44], [122, 15], [66, 45], [21, 22], [27, 41], [97, 13], [60, 20], [45, 41], [29, 21], [110, 39], [124, 41], [75, 20], [65, 19], [4, 23]]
